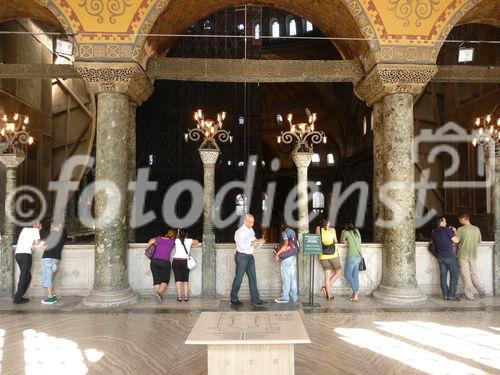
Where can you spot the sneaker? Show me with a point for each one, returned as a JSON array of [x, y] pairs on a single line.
[[237, 303], [456, 299], [260, 302], [482, 293], [279, 300], [50, 300]]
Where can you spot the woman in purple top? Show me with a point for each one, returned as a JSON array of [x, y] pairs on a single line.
[[160, 263]]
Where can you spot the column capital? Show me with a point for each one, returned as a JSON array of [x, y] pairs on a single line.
[[386, 79], [302, 159], [126, 78], [208, 156], [11, 160]]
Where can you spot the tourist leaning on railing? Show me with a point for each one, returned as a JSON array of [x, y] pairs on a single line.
[[180, 264], [352, 237], [160, 264]]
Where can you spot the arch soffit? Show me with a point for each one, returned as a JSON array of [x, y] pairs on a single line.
[[34, 9], [471, 11], [335, 18]]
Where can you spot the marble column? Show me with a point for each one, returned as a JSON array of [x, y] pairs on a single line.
[[378, 164], [495, 200], [116, 85], [11, 162], [132, 169], [111, 286], [209, 158], [302, 160], [399, 281]]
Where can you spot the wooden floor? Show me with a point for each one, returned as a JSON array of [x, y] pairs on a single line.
[[55, 342]]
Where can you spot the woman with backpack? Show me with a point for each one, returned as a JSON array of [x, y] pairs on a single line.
[[329, 259], [160, 262], [179, 264], [352, 237]]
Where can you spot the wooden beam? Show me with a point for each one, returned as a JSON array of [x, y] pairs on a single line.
[[234, 70], [467, 74], [29, 71]]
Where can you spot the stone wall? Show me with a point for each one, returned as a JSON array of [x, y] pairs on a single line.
[[76, 274]]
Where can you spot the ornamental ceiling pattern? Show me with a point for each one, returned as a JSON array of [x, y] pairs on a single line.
[[407, 31]]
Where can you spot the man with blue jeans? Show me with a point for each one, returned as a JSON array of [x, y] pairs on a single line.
[[50, 261], [443, 239], [287, 254], [245, 262]]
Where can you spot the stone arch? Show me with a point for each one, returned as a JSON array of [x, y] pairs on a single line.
[[471, 11], [335, 18], [35, 9]]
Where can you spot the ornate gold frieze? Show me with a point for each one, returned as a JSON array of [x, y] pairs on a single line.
[[386, 79], [127, 78]]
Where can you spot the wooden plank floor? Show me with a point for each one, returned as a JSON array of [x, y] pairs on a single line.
[[153, 343]]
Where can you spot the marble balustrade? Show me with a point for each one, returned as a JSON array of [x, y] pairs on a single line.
[[76, 273]]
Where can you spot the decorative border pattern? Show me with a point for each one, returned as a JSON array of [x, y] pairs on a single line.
[[127, 78], [386, 79], [384, 47]]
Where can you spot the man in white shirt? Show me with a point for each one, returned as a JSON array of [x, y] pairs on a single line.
[[245, 262], [28, 238]]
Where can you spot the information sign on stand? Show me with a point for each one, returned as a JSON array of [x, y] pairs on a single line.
[[311, 245]]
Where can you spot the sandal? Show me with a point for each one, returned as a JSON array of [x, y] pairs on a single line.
[[179, 299], [186, 299], [325, 293], [331, 298]]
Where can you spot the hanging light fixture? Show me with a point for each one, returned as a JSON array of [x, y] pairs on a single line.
[[487, 129], [304, 133], [13, 133], [210, 130]]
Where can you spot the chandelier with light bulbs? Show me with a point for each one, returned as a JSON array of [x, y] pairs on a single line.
[[487, 130], [210, 130], [304, 133], [13, 134]]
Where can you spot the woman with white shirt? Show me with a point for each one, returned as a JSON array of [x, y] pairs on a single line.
[[179, 264]]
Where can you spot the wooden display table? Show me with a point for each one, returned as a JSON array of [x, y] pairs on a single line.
[[253, 343]]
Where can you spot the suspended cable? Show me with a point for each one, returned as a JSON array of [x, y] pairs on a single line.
[[246, 36]]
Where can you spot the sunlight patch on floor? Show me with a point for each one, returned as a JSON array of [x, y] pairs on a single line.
[[45, 354], [473, 344], [405, 353]]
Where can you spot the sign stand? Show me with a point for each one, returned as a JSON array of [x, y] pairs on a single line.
[[311, 246]]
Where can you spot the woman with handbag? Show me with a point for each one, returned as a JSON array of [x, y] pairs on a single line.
[[329, 259], [286, 254], [160, 262], [352, 237], [180, 264]]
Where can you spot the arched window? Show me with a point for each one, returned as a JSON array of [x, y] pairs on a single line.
[[330, 160], [207, 25], [241, 204], [309, 26], [256, 31], [318, 201], [275, 28], [292, 27]]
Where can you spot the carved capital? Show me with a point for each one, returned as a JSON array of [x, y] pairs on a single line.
[[208, 157], [126, 78], [386, 79], [11, 160], [302, 159]]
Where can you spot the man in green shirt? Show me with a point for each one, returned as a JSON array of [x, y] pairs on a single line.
[[469, 236]]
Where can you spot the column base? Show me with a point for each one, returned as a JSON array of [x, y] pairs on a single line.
[[399, 296], [105, 298]]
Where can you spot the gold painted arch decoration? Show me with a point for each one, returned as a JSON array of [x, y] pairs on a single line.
[[397, 31]]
